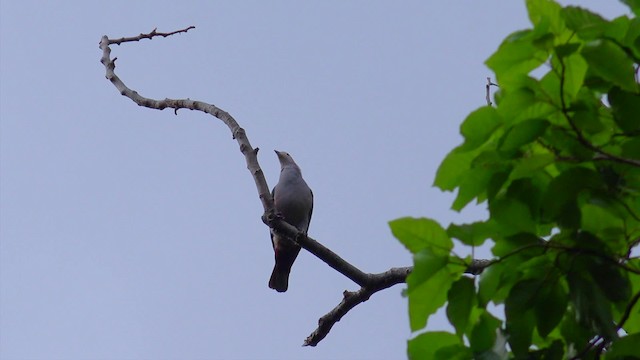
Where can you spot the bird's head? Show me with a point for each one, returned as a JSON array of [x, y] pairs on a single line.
[[284, 158]]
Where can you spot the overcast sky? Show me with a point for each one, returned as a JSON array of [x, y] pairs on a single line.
[[130, 233]]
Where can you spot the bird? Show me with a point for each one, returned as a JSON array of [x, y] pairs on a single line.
[[293, 201]]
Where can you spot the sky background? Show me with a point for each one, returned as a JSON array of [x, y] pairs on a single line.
[[130, 233]]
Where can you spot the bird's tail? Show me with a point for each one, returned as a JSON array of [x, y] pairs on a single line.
[[279, 280], [285, 256]]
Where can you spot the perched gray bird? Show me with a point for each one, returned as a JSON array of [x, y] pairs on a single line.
[[294, 202]]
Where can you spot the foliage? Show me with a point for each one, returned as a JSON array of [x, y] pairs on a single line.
[[557, 161]]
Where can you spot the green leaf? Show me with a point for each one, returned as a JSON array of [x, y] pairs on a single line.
[[473, 234], [626, 109], [617, 29], [527, 165], [614, 284], [611, 63], [513, 216], [516, 56], [497, 182], [529, 192], [634, 5], [519, 334], [473, 185], [425, 346], [593, 310], [497, 352], [560, 200], [585, 240], [575, 70], [521, 298], [588, 121], [420, 233], [565, 144], [461, 298], [565, 50], [521, 134], [483, 334], [515, 100], [631, 148], [490, 281], [632, 325], [453, 169], [545, 13], [478, 127], [517, 242], [597, 219], [454, 352], [574, 334], [555, 351], [427, 264], [428, 285], [520, 320], [624, 348], [550, 307], [587, 24], [632, 37]]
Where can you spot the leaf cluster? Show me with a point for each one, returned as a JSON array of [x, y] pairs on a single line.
[[557, 162]]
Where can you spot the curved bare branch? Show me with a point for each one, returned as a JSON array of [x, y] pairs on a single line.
[[370, 283]]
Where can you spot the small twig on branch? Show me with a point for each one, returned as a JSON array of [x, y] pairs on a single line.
[[488, 88], [370, 283], [149, 36], [627, 311]]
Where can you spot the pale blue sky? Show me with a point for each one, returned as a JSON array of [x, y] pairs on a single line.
[[129, 233]]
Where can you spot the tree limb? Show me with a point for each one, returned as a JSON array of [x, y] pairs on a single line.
[[369, 283]]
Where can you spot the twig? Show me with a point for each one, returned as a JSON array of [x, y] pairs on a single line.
[[627, 310], [488, 86], [149, 36], [590, 344]]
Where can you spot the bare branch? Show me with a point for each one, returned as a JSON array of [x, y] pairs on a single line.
[[370, 283]]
